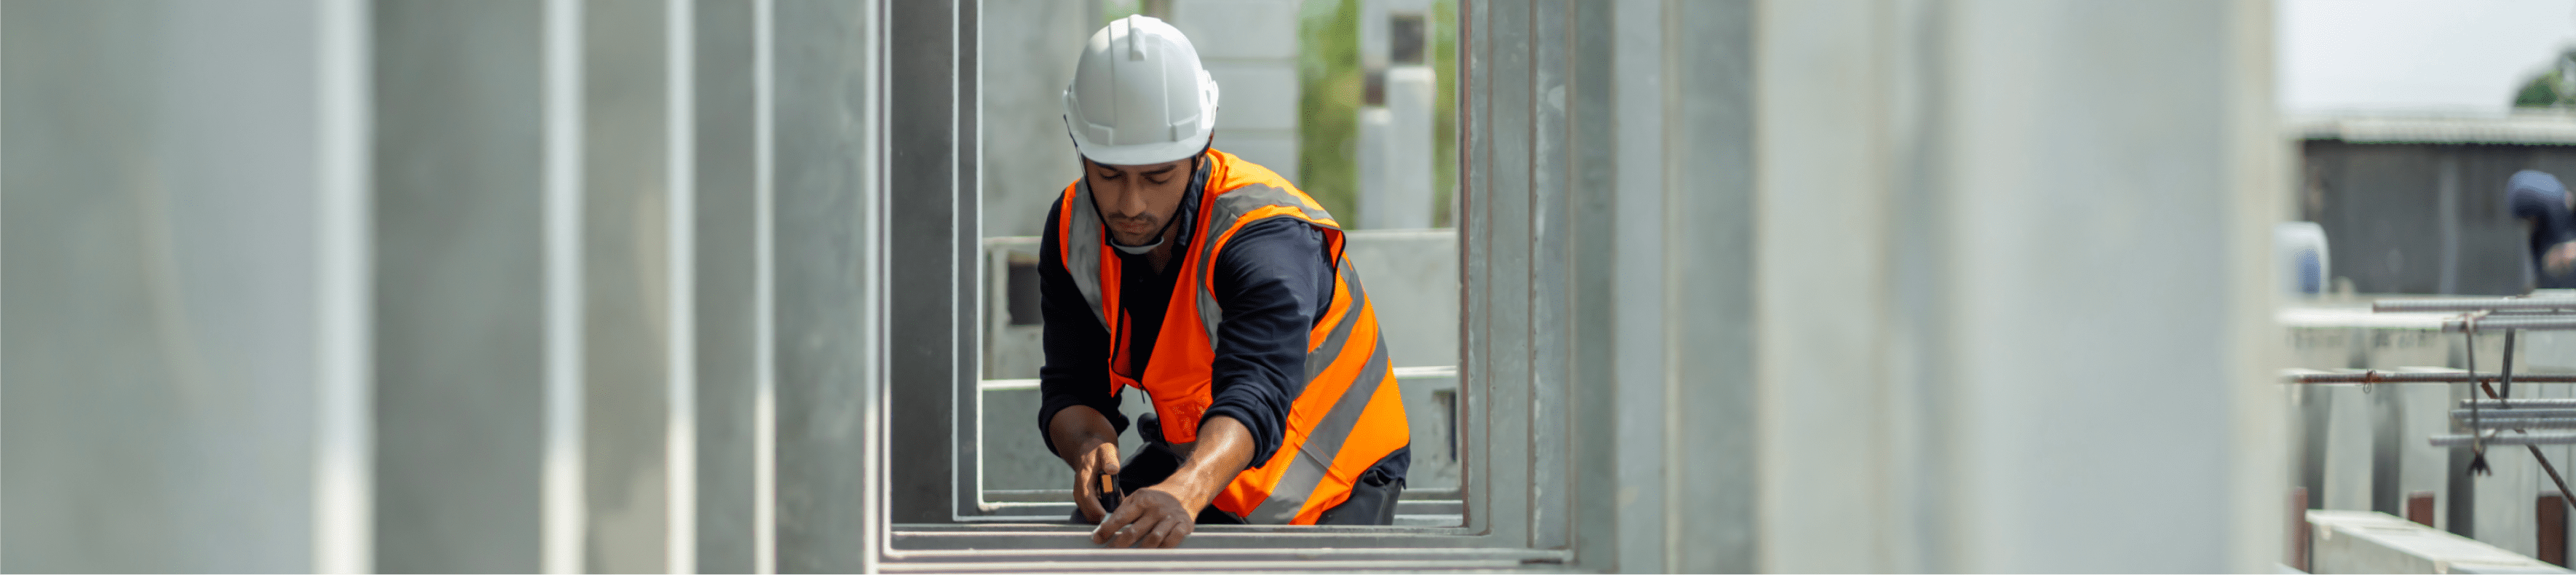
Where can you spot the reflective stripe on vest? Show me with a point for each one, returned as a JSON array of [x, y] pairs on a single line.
[[1347, 414]]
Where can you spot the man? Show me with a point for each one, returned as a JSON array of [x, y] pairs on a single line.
[[1218, 289], [2544, 207]]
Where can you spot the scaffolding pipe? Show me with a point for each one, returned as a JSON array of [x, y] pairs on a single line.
[[2531, 438], [2497, 322], [2479, 304], [2420, 377], [2530, 403], [2495, 412], [2545, 422]]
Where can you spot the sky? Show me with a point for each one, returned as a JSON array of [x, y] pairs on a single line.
[[2418, 56]]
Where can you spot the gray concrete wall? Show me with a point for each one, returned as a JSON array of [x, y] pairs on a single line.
[[460, 322], [2032, 241], [162, 264], [1028, 49], [288, 286], [728, 266], [1250, 47], [829, 214], [2423, 218]]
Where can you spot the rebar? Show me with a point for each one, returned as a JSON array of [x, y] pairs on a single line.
[[2420, 377], [2496, 322], [2525, 403], [2505, 381], [2491, 422], [2480, 304], [2481, 313], [2531, 438], [2492, 412]]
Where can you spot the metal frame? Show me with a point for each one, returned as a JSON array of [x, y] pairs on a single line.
[[1516, 307]]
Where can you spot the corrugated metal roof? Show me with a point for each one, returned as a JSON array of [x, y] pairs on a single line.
[[2537, 129]]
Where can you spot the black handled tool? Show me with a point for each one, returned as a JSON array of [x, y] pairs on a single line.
[[1109, 495]]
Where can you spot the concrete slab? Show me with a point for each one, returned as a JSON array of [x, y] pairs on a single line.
[[2371, 542]]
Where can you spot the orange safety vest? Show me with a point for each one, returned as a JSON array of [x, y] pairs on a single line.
[[1349, 414]]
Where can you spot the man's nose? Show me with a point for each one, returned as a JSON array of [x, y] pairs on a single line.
[[1131, 201]]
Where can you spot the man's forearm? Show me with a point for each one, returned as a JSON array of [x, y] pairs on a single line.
[[1223, 449], [1077, 430]]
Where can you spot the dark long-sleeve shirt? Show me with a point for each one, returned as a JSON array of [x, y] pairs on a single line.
[[1274, 280], [2538, 197]]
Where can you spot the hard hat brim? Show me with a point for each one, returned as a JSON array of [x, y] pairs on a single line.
[[1138, 154]]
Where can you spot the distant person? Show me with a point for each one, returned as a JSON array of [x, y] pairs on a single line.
[[2548, 214]]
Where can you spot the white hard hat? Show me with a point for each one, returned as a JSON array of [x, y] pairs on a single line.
[[1139, 95]]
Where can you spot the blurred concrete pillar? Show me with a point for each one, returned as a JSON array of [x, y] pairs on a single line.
[[934, 253], [829, 217], [1250, 47], [1395, 164], [179, 396], [461, 306], [1395, 156], [2028, 242], [627, 241], [728, 264], [1661, 101]]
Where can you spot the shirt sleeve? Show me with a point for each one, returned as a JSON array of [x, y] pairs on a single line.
[[2528, 202], [1077, 347], [1274, 280]]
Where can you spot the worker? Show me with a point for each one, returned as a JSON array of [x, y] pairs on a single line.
[[1219, 290], [2544, 207]]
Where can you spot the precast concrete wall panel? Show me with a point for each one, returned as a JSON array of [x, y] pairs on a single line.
[[829, 227], [1412, 282], [162, 281], [727, 268], [2030, 240], [1029, 48], [460, 285], [626, 323], [1250, 48], [2193, 152]]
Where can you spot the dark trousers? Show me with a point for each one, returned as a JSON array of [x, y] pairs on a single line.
[[1372, 499]]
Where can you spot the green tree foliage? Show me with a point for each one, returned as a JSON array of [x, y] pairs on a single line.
[[1328, 105], [2548, 89]]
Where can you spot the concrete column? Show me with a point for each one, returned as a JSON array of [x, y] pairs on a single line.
[[1686, 134], [934, 254], [1372, 167], [1395, 155], [728, 265], [461, 255], [828, 212], [1250, 47], [182, 284], [2016, 349], [626, 243]]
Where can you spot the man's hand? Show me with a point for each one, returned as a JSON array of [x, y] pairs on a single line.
[[1089, 445], [1090, 467], [1151, 518], [2559, 259], [1163, 515]]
